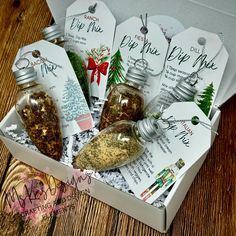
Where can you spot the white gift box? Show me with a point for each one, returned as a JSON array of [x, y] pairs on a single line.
[[157, 218], [205, 14]]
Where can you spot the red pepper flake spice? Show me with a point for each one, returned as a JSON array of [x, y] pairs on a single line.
[[42, 124], [123, 103]]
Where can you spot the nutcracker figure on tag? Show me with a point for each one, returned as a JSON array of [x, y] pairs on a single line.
[[164, 179]]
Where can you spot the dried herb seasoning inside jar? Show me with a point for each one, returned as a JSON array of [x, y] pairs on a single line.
[[126, 100], [117, 145], [38, 114]]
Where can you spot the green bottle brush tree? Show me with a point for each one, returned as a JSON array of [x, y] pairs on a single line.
[[81, 73]]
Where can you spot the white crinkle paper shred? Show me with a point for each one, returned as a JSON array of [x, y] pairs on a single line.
[[72, 146]]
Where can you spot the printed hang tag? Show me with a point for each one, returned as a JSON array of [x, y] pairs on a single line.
[[55, 72], [130, 45], [92, 34], [166, 159], [195, 50], [168, 25]]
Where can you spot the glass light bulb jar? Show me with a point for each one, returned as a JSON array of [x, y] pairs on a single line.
[[184, 91], [126, 100], [38, 113], [54, 35], [117, 145]]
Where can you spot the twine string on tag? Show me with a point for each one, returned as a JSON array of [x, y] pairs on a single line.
[[194, 76], [221, 35], [144, 31], [35, 54], [195, 120], [91, 9], [69, 42]]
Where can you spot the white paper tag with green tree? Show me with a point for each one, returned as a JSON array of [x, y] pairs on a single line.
[[56, 73], [92, 34], [130, 44], [166, 159], [196, 50]]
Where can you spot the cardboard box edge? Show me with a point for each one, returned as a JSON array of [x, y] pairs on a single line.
[[168, 212], [124, 202], [182, 185]]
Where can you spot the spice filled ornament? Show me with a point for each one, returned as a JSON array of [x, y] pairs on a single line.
[[54, 35], [126, 100], [38, 114], [184, 91], [118, 144]]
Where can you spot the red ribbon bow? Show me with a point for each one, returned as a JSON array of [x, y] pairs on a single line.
[[101, 68]]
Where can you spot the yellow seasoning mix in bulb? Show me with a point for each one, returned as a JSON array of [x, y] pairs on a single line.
[[38, 113], [117, 145]]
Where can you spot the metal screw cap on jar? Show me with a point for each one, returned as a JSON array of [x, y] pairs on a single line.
[[185, 90], [136, 76], [25, 75], [149, 129], [52, 32]]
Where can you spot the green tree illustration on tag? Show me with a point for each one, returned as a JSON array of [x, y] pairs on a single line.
[[75, 107], [81, 73], [206, 99], [116, 72]]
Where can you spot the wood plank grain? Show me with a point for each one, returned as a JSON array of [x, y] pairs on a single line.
[[209, 208], [18, 18], [20, 193], [4, 160], [129, 226], [10, 224], [92, 217]]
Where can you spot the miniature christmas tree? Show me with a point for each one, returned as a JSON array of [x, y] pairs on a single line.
[[116, 75], [206, 99], [81, 73], [73, 100]]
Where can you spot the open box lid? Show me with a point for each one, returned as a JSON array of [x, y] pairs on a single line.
[[209, 15]]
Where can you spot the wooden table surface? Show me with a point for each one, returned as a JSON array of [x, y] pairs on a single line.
[[208, 209]]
